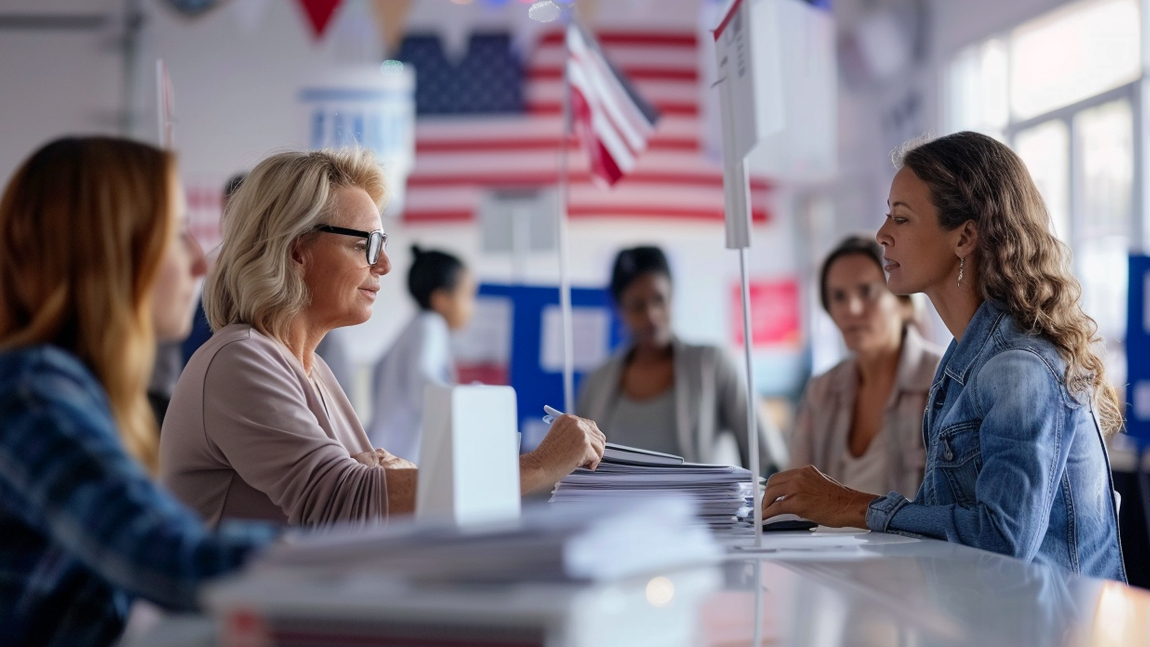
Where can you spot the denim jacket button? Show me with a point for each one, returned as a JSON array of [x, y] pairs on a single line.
[[947, 451]]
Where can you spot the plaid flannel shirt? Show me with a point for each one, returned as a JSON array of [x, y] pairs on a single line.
[[83, 529]]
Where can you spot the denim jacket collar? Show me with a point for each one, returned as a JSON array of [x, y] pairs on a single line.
[[961, 356]]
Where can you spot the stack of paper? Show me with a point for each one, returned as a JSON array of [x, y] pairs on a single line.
[[577, 543], [288, 607], [723, 492]]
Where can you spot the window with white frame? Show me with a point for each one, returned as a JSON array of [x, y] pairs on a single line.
[[1063, 90]]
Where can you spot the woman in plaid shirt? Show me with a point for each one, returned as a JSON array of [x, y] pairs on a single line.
[[95, 265]]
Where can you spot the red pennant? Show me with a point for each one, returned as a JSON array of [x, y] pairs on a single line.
[[319, 13]]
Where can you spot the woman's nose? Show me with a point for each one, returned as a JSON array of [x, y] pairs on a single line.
[[382, 265], [199, 262], [855, 305], [881, 236]]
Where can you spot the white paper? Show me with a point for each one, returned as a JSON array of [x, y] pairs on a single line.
[[750, 102], [487, 337], [590, 334], [749, 63]]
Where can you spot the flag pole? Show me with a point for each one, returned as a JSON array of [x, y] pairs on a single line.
[[161, 116], [752, 427], [564, 267]]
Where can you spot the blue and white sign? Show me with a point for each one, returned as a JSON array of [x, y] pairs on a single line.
[[1138, 351], [370, 107]]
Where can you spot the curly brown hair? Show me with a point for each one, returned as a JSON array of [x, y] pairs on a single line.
[[1022, 265]]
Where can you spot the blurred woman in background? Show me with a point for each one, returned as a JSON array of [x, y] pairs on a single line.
[[663, 394], [421, 354], [861, 422]]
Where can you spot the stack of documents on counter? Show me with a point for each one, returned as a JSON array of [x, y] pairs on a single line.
[[723, 492], [574, 576], [577, 543]]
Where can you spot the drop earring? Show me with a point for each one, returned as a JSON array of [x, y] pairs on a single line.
[[961, 267]]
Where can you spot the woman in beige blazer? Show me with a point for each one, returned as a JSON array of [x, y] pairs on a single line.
[[861, 422], [258, 427], [664, 394]]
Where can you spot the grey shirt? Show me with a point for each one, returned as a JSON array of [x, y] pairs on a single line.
[[710, 398], [649, 424]]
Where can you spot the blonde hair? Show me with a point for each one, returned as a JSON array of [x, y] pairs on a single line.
[[254, 280], [84, 225], [1022, 265]]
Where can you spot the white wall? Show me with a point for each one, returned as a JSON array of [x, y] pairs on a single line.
[[56, 81]]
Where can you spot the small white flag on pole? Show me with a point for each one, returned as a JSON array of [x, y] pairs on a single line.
[[165, 106]]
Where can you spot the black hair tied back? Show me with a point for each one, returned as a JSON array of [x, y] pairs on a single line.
[[432, 270], [632, 263]]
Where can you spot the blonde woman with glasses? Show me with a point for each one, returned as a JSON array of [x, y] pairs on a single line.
[[258, 426]]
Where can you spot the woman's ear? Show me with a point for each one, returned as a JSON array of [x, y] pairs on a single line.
[[298, 254], [440, 300], [967, 242]]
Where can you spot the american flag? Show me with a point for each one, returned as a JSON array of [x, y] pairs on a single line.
[[460, 157], [611, 118]]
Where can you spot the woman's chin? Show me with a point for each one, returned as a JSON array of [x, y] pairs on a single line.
[[355, 318], [898, 286]]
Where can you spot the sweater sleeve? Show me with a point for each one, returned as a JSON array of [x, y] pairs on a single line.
[[256, 414]]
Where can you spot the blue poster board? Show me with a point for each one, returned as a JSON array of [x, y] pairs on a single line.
[[536, 384], [1138, 352]]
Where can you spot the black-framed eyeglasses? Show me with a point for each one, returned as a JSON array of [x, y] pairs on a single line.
[[376, 240]]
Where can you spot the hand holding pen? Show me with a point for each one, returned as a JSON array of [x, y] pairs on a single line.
[[572, 441]]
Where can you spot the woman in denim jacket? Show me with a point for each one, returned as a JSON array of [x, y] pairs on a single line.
[[1019, 407]]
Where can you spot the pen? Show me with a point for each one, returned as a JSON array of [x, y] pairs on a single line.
[[552, 414]]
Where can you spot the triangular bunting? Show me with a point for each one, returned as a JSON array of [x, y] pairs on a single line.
[[391, 21], [319, 13]]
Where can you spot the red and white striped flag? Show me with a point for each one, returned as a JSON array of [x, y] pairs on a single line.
[[610, 117], [461, 158]]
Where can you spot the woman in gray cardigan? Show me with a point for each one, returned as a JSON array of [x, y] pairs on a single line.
[[661, 393]]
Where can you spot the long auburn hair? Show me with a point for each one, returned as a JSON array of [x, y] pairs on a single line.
[[1022, 265], [83, 227]]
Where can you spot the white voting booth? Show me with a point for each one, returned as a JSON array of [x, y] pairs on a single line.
[[469, 470]]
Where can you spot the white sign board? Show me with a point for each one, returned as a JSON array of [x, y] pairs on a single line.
[[368, 107], [750, 104], [590, 338], [470, 454]]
